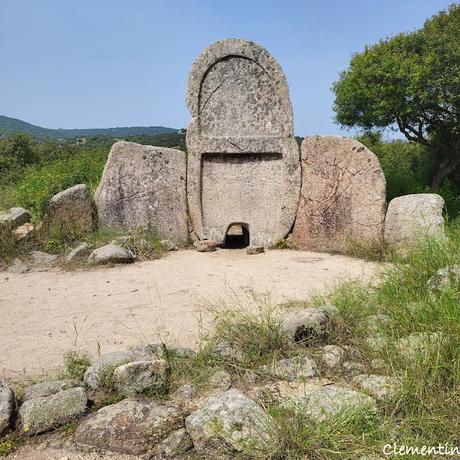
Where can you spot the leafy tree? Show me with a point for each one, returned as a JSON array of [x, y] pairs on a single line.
[[410, 82]]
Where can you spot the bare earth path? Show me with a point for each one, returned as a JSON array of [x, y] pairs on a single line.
[[45, 314]]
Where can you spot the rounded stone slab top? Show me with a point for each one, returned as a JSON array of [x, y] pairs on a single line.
[[243, 160]]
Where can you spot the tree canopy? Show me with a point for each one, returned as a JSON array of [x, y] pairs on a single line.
[[409, 82]]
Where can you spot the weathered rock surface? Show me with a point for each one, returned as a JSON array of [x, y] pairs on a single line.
[[23, 231], [220, 379], [305, 324], [412, 217], [378, 386], [43, 389], [71, 205], [77, 252], [168, 245], [110, 253], [43, 414], [107, 362], [130, 426], [7, 407], [186, 391], [444, 276], [241, 144], [144, 186], [229, 423], [299, 367], [320, 402], [420, 344], [342, 199], [251, 250], [43, 259], [332, 355], [18, 266], [205, 245], [137, 376], [15, 217], [176, 444]]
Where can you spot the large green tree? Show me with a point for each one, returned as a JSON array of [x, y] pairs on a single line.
[[410, 82]]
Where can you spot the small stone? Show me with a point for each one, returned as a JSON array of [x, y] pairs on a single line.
[[373, 324], [18, 267], [443, 277], [205, 245], [23, 231], [168, 245], [332, 355], [321, 402], [47, 413], [220, 379], [106, 363], [129, 426], [299, 367], [7, 407], [353, 367], [377, 386], [15, 217], [43, 389], [421, 344], [255, 250], [305, 324], [376, 342], [138, 376], [77, 252], [186, 391], [177, 443], [227, 351], [229, 423], [43, 258], [110, 253]]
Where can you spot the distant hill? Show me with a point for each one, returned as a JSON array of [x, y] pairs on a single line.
[[14, 126]]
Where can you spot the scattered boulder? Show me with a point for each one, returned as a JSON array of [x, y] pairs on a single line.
[[177, 443], [376, 342], [43, 414], [71, 206], [110, 253], [129, 427], [378, 386], [353, 367], [43, 389], [15, 217], [186, 391], [299, 367], [205, 245], [18, 267], [107, 362], [7, 407], [220, 379], [255, 250], [43, 259], [23, 231], [419, 344], [444, 276], [144, 186], [343, 195], [305, 324], [77, 252], [229, 423], [168, 245], [332, 355], [138, 376], [320, 402], [411, 217], [227, 351]]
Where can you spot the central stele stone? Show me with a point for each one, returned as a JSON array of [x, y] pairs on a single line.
[[243, 159]]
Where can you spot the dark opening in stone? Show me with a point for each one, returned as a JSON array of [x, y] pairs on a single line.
[[237, 236]]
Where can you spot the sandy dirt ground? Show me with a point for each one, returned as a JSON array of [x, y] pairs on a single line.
[[45, 314]]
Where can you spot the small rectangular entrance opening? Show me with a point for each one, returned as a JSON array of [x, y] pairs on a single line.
[[237, 236]]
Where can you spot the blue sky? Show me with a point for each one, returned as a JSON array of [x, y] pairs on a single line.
[[105, 63]]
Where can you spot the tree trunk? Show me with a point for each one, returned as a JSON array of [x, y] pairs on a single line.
[[445, 169]]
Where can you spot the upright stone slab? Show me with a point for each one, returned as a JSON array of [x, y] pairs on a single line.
[[342, 200], [144, 186], [243, 160]]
